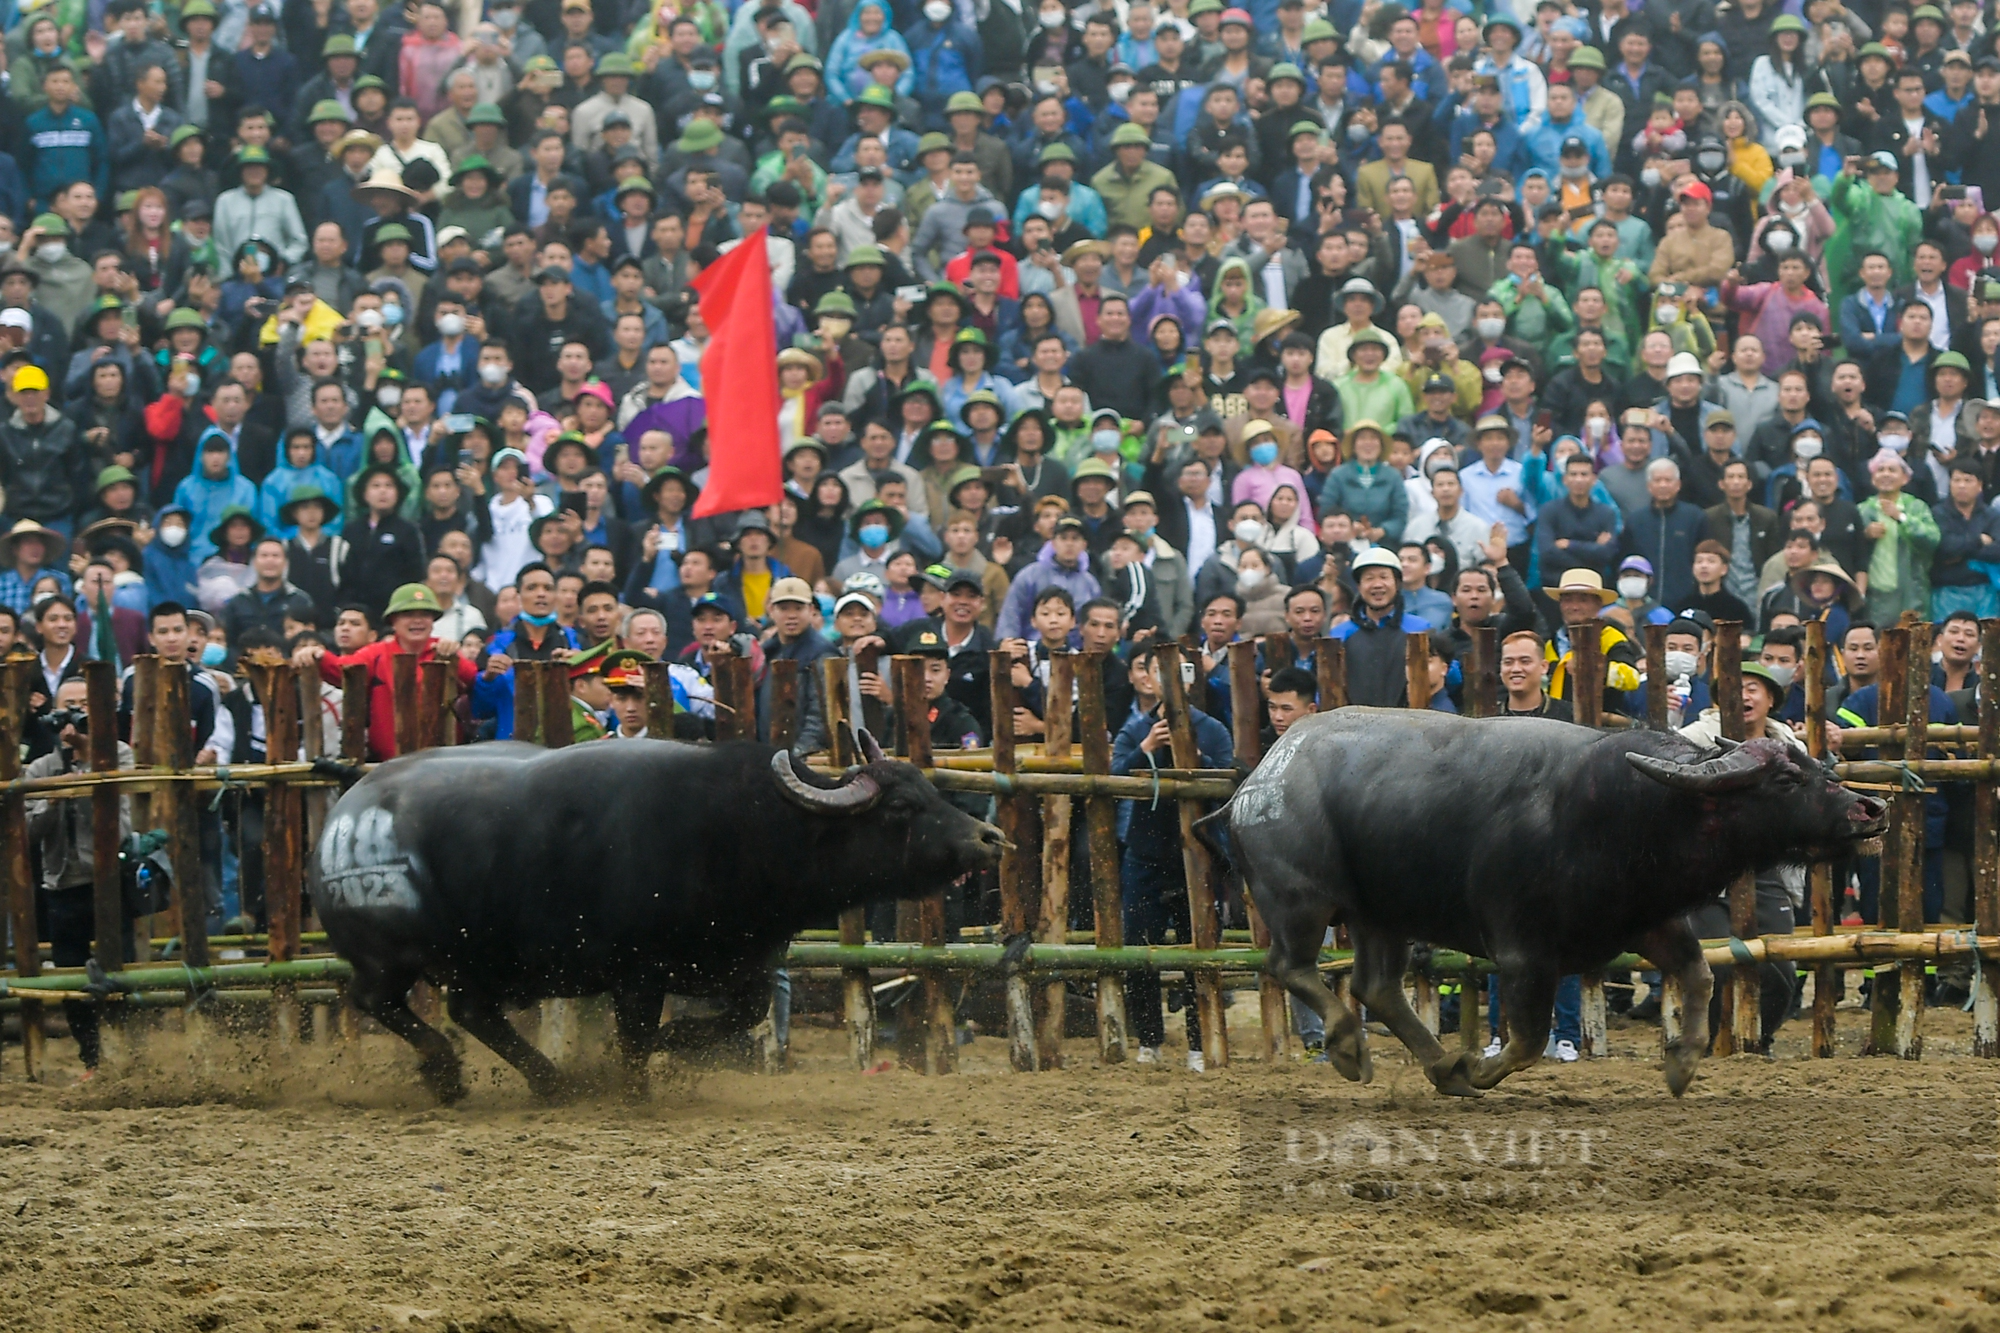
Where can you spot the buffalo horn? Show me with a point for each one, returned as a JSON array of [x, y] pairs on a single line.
[[1736, 768], [871, 753], [851, 797]]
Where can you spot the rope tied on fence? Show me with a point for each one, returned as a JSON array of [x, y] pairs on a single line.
[[1740, 951], [1971, 941], [1907, 776], [225, 784], [1003, 785]]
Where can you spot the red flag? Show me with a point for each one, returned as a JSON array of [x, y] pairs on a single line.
[[739, 380]]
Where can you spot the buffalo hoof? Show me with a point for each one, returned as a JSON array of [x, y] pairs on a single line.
[[1452, 1078], [554, 1091], [1350, 1059], [1681, 1064], [442, 1076]]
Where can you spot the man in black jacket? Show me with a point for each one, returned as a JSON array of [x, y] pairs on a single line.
[[1115, 371], [562, 317], [269, 601], [384, 549], [1974, 141], [44, 468]]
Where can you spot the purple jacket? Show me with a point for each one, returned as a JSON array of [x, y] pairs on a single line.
[[1185, 305], [680, 414], [1017, 615]]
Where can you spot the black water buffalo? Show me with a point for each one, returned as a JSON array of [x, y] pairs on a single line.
[[1546, 847], [510, 873]]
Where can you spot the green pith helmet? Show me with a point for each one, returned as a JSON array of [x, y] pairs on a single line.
[[958, 102], [865, 254], [835, 303], [395, 231], [616, 65], [327, 110], [876, 95], [339, 44], [251, 155], [416, 597], [111, 476], [485, 113], [181, 317]]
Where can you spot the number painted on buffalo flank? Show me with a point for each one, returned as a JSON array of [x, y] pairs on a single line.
[[361, 864]]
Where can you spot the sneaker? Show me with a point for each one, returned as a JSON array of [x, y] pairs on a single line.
[[1148, 1055], [1492, 1048], [1196, 1063], [1565, 1052]]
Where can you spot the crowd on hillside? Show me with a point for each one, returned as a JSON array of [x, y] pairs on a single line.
[[332, 331]]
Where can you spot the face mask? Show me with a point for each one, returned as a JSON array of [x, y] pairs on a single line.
[[1650, 178], [213, 655], [6, 248], [1795, 209], [1145, 534], [389, 395], [1669, 314], [1251, 578], [701, 80], [505, 19], [1711, 162], [1052, 19], [1805, 450], [1633, 588], [1437, 564], [493, 375], [1778, 242], [1357, 133], [1791, 158], [1492, 373], [1985, 242], [451, 326], [1248, 531], [1784, 675], [173, 537], [1263, 455], [392, 315], [1120, 91], [369, 319], [191, 387], [1575, 173], [1680, 666], [937, 11], [1104, 441], [1490, 330], [1597, 427], [873, 536], [51, 252], [1895, 444], [1049, 209], [1045, 87]]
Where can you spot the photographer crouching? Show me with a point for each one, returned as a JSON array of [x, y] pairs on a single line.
[[61, 829]]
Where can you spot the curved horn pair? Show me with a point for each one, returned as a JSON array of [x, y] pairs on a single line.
[[852, 796], [1735, 767]]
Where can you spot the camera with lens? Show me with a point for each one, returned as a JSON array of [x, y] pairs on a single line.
[[58, 718]]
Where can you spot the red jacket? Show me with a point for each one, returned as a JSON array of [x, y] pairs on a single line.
[[381, 687]]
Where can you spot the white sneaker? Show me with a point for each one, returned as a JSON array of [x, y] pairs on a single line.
[[1565, 1052], [1196, 1063], [1492, 1048], [1148, 1055]]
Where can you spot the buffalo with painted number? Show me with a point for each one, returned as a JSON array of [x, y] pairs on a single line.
[[508, 874], [1546, 847]]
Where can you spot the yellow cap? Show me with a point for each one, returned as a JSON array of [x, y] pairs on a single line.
[[31, 377]]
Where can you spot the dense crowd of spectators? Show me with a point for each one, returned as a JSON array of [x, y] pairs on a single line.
[[336, 330]]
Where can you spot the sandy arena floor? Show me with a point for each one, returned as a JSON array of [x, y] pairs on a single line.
[[1844, 1194]]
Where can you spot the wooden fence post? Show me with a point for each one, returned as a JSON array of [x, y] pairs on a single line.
[[1656, 677], [1741, 1028], [1819, 879], [558, 724], [1100, 818], [1417, 696], [1053, 919], [940, 1018], [107, 894], [432, 709], [733, 687], [784, 702], [277, 689], [145, 754], [403, 697], [313, 802], [1586, 690], [857, 1000], [1246, 711], [659, 702], [174, 744], [1910, 900], [528, 701], [1905, 820], [1482, 699], [1986, 847], [1200, 870], [1010, 813], [355, 686], [16, 870], [1330, 665]]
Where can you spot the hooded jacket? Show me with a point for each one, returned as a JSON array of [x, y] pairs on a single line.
[[376, 423], [205, 500], [1043, 573], [284, 479], [169, 571]]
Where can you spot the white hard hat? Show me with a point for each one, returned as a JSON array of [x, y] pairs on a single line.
[[1376, 557], [1683, 363]]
